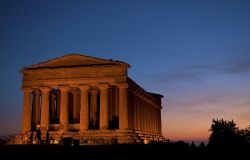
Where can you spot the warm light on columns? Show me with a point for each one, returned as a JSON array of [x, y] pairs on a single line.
[[123, 105], [45, 108], [64, 108], [103, 106], [84, 110], [26, 109]]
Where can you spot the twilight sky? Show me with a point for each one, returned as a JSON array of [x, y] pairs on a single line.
[[194, 52]]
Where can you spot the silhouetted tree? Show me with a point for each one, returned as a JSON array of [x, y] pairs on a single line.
[[245, 134], [192, 144], [224, 134], [202, 145]]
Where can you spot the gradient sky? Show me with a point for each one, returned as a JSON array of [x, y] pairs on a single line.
[[195, 53]]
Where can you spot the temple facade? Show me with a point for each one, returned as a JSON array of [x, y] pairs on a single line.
[[88, 99]]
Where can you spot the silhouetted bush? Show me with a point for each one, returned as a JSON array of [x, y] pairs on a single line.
[[67, 141], [225, 134], [76, 142]]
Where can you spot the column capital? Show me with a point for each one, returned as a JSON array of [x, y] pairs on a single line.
[[27, 89], [94, 91], [63, 88], [83, 87], [37, 91], [103, 86], [122, 85], [45, 89]]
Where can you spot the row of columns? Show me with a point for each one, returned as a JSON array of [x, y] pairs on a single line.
[[84, 107], [144, 114]]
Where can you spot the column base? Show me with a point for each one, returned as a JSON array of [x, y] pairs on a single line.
[[44, 129], [83, 130]]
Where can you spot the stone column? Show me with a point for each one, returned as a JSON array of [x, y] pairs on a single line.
[[159, 122], [64, 115], [149, 124], [138, 114], [26, 109], [134, 113], [154, 119], [123, 106], [84, 109], [45, 108], [93, 107], [146, 116], [103, 106]]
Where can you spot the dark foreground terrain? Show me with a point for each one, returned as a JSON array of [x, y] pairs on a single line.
[[169, 151]]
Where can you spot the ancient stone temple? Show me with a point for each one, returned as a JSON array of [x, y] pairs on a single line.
[[90, 100]]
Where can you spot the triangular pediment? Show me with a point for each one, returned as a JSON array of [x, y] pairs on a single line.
[[75, 60]]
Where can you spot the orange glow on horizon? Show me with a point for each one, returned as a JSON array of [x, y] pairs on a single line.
[[193, 124]]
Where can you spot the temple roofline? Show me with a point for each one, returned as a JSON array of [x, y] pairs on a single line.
[[108, 62], [149, 93], [156, 94], [156, 98]]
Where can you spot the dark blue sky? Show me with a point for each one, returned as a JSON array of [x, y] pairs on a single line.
[[195, 53]]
